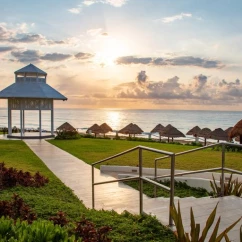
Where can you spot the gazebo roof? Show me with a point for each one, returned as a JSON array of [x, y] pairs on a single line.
[[31, 85], [30, 69], [31, 90]]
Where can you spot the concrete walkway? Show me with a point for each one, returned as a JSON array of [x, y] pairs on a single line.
[[76, 174]]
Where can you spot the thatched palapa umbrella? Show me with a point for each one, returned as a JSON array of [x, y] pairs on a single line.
[[65, 127], [158, 129], [194, 131], [170, 131], [219, 134], [237, 131], [96, 129], [106, 128], [228, 130], [131, 129], [205, 133]]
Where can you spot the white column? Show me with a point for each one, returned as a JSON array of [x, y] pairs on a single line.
[[9, 118], [40, 126], [23, 122], [52, 117]]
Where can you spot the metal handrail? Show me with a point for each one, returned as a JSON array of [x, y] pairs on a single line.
[[172, 175], [191, 172], [140, 177], [222, 168], [187, 151]]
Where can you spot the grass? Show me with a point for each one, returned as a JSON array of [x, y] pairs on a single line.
[[55, 196], [92, 150], [181, 189]]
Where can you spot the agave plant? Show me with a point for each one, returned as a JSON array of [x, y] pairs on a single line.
[[231, 187], [194, 235]]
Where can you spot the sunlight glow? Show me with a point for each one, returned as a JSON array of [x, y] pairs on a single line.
[[113, 119], [109, 51]]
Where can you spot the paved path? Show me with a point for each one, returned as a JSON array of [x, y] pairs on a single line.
[[76, 174]]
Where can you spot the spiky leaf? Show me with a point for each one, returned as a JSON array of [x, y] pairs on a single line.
[[209, 223], [215, 232]]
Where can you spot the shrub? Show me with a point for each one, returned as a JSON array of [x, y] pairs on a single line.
[[140, 139], [37, 231], [17, 209], [87, 231], [59, 219], [231, 187], [67, 135], [10, 177], [194, 144]]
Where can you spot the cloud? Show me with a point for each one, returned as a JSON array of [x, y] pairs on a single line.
[[202, 91], [28, 38], [193, 61], [114, 3], [5, 33], [83, 56], [89, 2], [94, 32], [6, 48], [127, 60], [56, 67], [141, 77], [176, 61], [75, 10], [229, 84], [19, 36], [56, 57], [171, 19], [26, 56], [199, 82]]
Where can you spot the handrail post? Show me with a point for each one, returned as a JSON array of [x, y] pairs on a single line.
[[155, 187], [140, 182], [172, 188], [223, 162], [93, 198]]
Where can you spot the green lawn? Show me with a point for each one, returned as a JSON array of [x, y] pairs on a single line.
[[91, 150], [55, 196]]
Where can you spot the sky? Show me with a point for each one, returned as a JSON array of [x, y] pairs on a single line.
[[136, 54]]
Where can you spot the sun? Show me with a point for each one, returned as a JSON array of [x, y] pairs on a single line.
[[109, 51]]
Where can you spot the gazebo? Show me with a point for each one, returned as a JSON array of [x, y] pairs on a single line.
[[30, 92]]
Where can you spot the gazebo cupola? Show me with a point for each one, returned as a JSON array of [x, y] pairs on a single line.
[[30, 73], [30, 92]]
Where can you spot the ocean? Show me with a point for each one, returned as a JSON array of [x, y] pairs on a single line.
[[183, 120]]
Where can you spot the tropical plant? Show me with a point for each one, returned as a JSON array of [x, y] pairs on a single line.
[[59, 219], [231, 187], [88, 231], [194, 235], [40, 230], [10, 177], [17, 209]]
